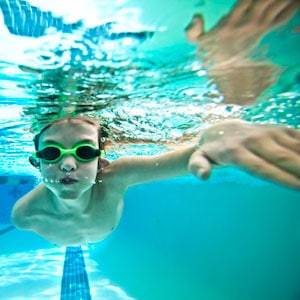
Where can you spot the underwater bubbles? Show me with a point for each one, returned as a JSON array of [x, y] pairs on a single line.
[[281, 110]]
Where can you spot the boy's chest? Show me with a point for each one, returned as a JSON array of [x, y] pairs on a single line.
[[70, 229]]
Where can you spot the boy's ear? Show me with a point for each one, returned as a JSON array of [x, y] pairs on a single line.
[[102, 163], [34, 162]]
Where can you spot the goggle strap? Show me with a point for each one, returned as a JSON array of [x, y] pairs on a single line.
[[102, 154]]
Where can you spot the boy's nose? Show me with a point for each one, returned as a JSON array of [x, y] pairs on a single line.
[[68, 163]]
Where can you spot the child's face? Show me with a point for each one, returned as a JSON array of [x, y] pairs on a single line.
[[69, 178]]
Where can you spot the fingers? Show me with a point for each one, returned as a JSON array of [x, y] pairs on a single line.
[[267, 13], [260, 167], [280, 150], [268, 151], [261, 9], [199, 165], [265, 165], [272, 154], [239, 11], [288, 138], [279, 12]]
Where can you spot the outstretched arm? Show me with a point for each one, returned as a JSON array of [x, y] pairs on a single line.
[[132, 170], [270, 152]]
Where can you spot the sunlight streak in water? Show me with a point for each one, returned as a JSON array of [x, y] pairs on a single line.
[[42, 271]]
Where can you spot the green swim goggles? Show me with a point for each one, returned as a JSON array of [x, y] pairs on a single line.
[[83, 152]]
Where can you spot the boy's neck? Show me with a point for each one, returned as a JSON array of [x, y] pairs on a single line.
[[78, 205]]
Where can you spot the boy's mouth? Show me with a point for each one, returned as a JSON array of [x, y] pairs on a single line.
[[68, 180]]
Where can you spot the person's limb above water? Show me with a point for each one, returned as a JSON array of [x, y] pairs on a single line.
[[241, 30], [226, 49], [268, 151]]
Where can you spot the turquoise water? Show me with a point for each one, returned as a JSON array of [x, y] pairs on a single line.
[[234, 237]]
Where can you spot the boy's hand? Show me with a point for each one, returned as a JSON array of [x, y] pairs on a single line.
[[268, 151]]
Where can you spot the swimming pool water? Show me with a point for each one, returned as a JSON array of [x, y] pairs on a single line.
[[234, 237]]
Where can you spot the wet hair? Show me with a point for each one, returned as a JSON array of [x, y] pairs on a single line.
[[102, 134]]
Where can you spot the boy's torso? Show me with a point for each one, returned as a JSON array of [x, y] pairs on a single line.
[[74, 227]]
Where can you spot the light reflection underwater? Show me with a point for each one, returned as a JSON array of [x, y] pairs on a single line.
[[43, 270], [158, 97]]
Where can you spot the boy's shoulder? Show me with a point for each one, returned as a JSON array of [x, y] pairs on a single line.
[[25, 208]]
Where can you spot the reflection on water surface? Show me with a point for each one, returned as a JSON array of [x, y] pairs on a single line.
[[124, 68]]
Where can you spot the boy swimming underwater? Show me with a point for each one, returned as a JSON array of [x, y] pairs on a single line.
[[81, 198]]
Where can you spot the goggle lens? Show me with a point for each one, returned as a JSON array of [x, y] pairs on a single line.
[[53, 153], [87, 152], [49, 153]]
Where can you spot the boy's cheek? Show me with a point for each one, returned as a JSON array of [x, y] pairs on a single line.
[[48, 169]]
